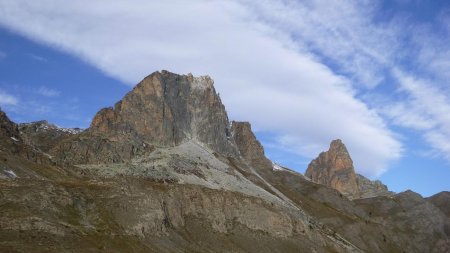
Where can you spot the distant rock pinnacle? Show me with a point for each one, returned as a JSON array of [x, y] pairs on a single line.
[[335, 169]]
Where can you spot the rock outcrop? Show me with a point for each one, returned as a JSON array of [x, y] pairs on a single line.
[[249, 147], [9, 132], [420, 222], [12, 143], [442, 201], [166, 109], [44, 135], [368, 188], [334, 168]]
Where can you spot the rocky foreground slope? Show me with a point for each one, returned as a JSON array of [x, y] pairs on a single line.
[[165, 171]]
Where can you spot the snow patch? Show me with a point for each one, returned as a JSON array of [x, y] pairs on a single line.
[[277, 167], [44, 126], [10, 174], [71, 130]]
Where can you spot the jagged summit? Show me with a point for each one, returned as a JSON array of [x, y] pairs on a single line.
[[163, 110], [8, 129], [335, 169], [44, 135], [167, 109], [442, 201]]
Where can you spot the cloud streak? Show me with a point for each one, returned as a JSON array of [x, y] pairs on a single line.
[[48, 92], [431, 107], [270, 69], [7, 99]]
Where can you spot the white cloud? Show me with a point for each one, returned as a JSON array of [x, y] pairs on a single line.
[[339, 31], [38, 58], [407, 114], [434, 53], [7, 99], [432, 106], [267, 68], [48, 92]]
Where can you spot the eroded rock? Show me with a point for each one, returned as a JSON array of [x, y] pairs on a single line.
[[334, 168]]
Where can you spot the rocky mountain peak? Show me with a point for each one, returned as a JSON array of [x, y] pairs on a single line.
[[8, 129], [156, 173], [10, 139], [442, 201], [167, 109], [163, 110], [249, 146], [44, 135], [337, 146], [335, 169]]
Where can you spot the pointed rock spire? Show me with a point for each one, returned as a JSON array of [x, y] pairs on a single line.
[[334, 168]]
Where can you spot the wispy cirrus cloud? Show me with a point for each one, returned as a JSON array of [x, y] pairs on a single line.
[[341, 33], [431, 107], [38, 58], [7, 99], [48, 92]]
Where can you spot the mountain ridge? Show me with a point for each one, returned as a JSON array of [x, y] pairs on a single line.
[[164, 170]]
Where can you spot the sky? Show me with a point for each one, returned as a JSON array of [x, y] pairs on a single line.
[[374, 74]]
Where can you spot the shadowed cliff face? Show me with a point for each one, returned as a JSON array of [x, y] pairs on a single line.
[[12, 142], [335, 169], [9, 132], [249, 147]]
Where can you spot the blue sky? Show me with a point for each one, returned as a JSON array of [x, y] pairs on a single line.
[[372, 73]]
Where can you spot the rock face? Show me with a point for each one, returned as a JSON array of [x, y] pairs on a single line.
[[249, 147], [12, 142], [368, 188], [163, 110], [421, 223], [9, 132], [442, 201], [166, 109], [335, 169], [44, 135]]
